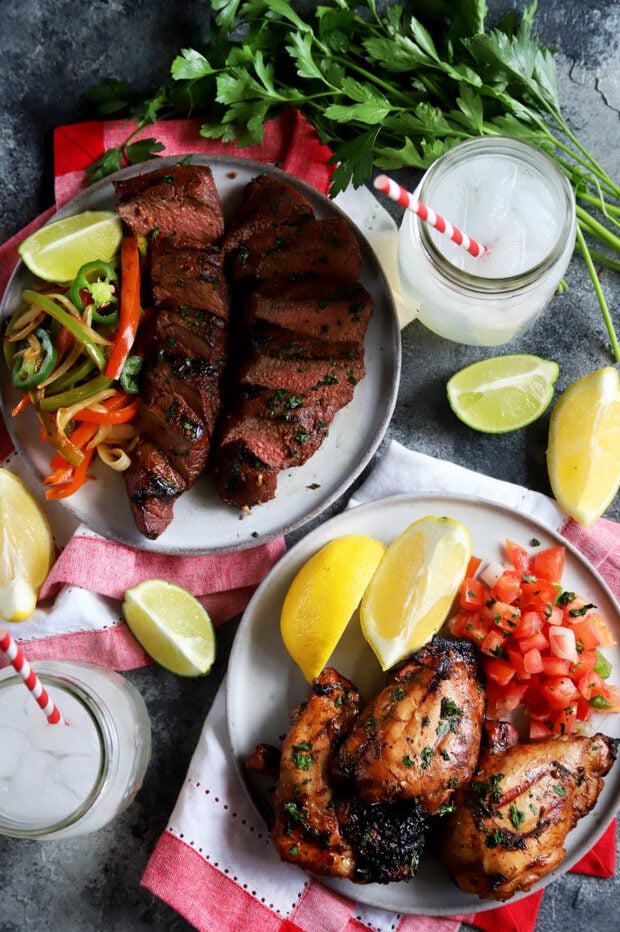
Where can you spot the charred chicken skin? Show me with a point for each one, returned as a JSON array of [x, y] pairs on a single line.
[[420, 737], [512, 820], [306, 829]]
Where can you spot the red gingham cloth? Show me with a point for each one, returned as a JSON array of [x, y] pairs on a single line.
[[208, 897]]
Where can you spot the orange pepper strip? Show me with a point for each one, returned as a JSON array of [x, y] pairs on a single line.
[[21, 405], [66, 489], [79, 438], [60, 475], [110, 417], [129, 307]]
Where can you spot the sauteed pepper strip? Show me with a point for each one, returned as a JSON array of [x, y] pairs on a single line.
[[130, 307], [35, 362], [98, 281], [81, 393], [72, 324]]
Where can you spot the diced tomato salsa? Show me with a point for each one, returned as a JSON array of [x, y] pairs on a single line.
[[539, 643]]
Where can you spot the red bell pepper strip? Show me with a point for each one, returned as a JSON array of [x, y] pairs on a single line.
[[65, 489], [117, 416], [129, 309]]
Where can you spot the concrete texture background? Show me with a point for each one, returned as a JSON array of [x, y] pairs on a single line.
[[52, 50]]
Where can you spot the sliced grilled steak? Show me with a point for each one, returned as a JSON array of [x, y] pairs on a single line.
[[189, 275], [240, 478], [267, 203], [325, 249], [192, 332], [289, 344], [174, 426], [186, 342], [153, 487], [325, 382], [181, 201], [320, 309]]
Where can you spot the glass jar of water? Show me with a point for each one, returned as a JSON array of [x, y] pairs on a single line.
[[513, 198], [59, 781]]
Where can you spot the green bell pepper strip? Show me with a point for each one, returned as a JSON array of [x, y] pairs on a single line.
[[59, 440], [73, 395], [28, 373], [97, 278], [70, 323], [76, 374], [130, 373]]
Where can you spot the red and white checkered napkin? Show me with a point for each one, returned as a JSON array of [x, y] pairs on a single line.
[[215, 863]]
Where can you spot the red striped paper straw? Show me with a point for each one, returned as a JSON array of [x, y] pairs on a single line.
[[405, 199], [30, 678]]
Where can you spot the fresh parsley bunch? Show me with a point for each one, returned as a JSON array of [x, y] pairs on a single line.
[[392, 86]]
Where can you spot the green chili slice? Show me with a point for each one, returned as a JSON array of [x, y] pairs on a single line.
[[28, 373], [71, 323], [98, 282], [130, 374]]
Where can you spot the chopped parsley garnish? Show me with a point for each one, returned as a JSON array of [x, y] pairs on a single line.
[[445, 808], [494, 839], [398, 694], [407, 761], [576, 612], [516, 816], [293, 850], [565, 598], [427, 756], [559, 789]]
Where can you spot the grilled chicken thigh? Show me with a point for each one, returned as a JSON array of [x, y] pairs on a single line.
[[306, 829], [420, 738], [512, 821]]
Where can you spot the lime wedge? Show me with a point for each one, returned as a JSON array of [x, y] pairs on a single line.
[[172, 626], [58, 250], [502, 393], [583, 456]]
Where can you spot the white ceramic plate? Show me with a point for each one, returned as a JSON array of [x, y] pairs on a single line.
[[202, 524], [264, 683]]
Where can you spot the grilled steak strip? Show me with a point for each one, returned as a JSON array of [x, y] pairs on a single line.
[[186, 346], [180, 201], [324, 249], [266, 204], [302, 319]]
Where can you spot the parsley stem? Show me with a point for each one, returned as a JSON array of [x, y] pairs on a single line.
[[607, 261], [601, 203], [581, 243], [353, 66], [598, 229], [599, 170]]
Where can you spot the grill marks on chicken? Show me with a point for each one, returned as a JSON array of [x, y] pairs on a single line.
[[306, 829], [420, 737], [187, 347], [512, 821], [345, 807], [301, 319]]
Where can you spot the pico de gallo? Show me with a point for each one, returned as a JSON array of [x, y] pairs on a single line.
[[540, 643]]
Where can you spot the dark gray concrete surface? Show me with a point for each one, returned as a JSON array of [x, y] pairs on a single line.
[[50, 51]]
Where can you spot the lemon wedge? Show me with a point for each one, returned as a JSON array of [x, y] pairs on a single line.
[[410, 595], [323, 597], [58, 250], [172, 626], [26, 548], [583, 455]]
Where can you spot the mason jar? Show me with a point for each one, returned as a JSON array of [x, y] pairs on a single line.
[[511, 197], [60, 781]]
